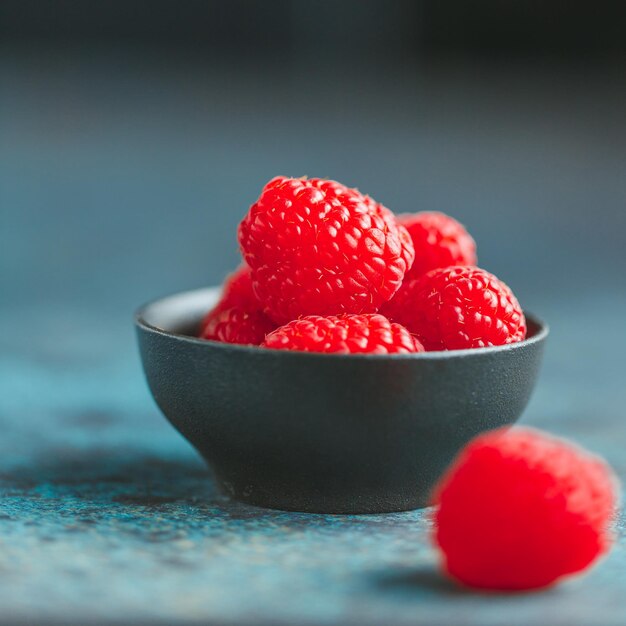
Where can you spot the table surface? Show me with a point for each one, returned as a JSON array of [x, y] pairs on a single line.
[[107, 515]]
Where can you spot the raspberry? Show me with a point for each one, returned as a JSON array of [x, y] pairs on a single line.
[[237, 317], [317, 247], [237, 290], [520, 509], [373, 334], [236, 325], [439, 241], [458, 307]]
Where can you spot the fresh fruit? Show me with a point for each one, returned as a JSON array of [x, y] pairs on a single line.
[[238, 316], [316, 247], [236, 325], [520, 509], [372, 334], [237, 290], [439, 241], [458, 307]]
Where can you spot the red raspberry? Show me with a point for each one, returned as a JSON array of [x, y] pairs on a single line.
[[318, 248], [520, 509], [373, 334], [237, 290], [439, 241], [237, 317], [236, 325], [458, 307]]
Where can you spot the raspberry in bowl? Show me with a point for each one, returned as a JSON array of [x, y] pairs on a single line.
[[298, 387]]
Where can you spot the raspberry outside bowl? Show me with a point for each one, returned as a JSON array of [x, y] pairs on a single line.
[[327, 433]]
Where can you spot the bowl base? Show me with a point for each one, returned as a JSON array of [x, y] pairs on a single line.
[[321, 433], [272, 497]]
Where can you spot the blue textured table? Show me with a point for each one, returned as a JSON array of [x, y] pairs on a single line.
[[106, 514]]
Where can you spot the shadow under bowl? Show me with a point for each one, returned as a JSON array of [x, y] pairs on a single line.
[[327, 433]]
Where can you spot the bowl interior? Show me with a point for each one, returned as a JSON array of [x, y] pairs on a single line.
[[180, 314]]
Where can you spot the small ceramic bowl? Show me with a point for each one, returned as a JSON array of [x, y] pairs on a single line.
[[327, 433]]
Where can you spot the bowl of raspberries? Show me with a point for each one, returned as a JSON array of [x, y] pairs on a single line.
[[348, 359]]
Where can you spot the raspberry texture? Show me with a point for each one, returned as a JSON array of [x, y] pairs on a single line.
[[238, 316], [458, 307], [317, 247], [237, 290], [354, 334], [439, 241], [520, 509], [236, 325]]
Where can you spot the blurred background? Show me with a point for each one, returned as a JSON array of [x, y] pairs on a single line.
[[134, 135]]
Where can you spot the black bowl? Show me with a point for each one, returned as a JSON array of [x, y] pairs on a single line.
[[327, 433]]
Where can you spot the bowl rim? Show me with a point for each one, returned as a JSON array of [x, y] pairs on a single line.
[[543, 330]]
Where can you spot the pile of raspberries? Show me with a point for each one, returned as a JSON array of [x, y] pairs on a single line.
[[328, 269]]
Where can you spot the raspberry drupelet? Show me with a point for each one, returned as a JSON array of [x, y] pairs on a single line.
[[520, 509], [347, 334], [458, 307], [236, 325], [439, 241], [316, 247], [237, 290], [238, 316]]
